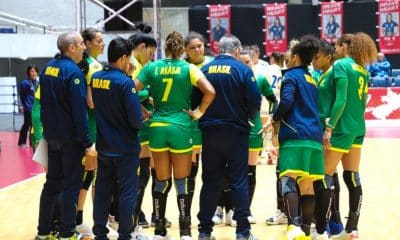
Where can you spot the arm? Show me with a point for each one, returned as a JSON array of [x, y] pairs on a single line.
[[132, 105], [89, 98], [266, 91], [288, 91], [78, 103], [340, 101], [252, 95]]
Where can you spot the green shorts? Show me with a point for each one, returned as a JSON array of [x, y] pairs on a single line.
[[196, 135], [144, 134], [255, 143], [301, 157], [92, 124], [343, 142], [170, 137]]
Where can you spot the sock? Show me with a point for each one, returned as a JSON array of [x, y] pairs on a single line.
[[144, 175], [79, 217], [307, 203], [323, 200], [153, 182], [352, 180], [183, 196], [252, 182], [279, 199], [291, 198], [335, 210], [192, 179]]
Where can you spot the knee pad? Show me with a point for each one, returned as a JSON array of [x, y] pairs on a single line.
[[163, 186], [324, 184], [352, 179], [288, 185], [336, 183], [87, 179], [182, 186]]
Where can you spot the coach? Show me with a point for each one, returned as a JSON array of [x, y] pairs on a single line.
[[225, 131]]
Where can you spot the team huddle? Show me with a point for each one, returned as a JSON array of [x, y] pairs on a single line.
[[117, 125]]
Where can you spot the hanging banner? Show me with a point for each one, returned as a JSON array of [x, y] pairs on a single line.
[[331, 27], [219, 25], [383, 103], [275, 28], [388, 18]]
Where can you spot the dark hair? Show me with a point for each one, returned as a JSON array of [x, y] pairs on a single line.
[[144, 28], [89, 34], [278, 57], [174, 45], [306, 49], [137, 38], [117, 48], [245, 50], [30, 66], [84, 64], [326, 47], [193, 35]]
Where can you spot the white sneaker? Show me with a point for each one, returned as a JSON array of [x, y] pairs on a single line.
[[160, 237], [84, 229], [112, 234], [317, 236], [353, 235], [218, 216], [229, 219], [138, 234], [251, 219], [294, 232], [277, 219], [112, 223], [186, 237]]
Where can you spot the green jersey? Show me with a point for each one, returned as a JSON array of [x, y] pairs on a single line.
[[347, 115], [94, 66], [170, 81], [265, 89], [326, 95]]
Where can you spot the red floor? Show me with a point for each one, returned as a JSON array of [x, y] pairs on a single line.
[[15, 162]]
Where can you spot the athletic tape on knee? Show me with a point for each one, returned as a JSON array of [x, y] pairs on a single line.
[[182, 186], [288, 185], [163, 186], [352, 179], [87, 179]]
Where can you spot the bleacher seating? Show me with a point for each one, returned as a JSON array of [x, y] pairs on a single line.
[[396, 82], [379, 82], [395, 72]]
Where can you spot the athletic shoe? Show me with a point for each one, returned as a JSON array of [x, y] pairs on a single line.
[[112, 223], [242, 237], [218, 216], [295, 233], [353, 235], [142, 220], [229, 219], [340, 236], [138, 234], [160, 237], [45, 237], [205, 236], [83, 229], [277, 219], [186, 237], [317, 236], [251, 219], [112, 234]]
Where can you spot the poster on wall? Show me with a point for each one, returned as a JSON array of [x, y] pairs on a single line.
[[383, 103], [275, 28], [388, 19], [219, 24], [331, 27]]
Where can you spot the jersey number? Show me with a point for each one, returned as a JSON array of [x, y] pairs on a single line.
[[362, 87], [275, 81], [168, 82]]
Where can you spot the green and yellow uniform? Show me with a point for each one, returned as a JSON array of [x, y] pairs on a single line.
[[37, 128], [94, 66], [144, 96], [326, 95], [347, 115], [256, 131], [196, 133], [170, 81]]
